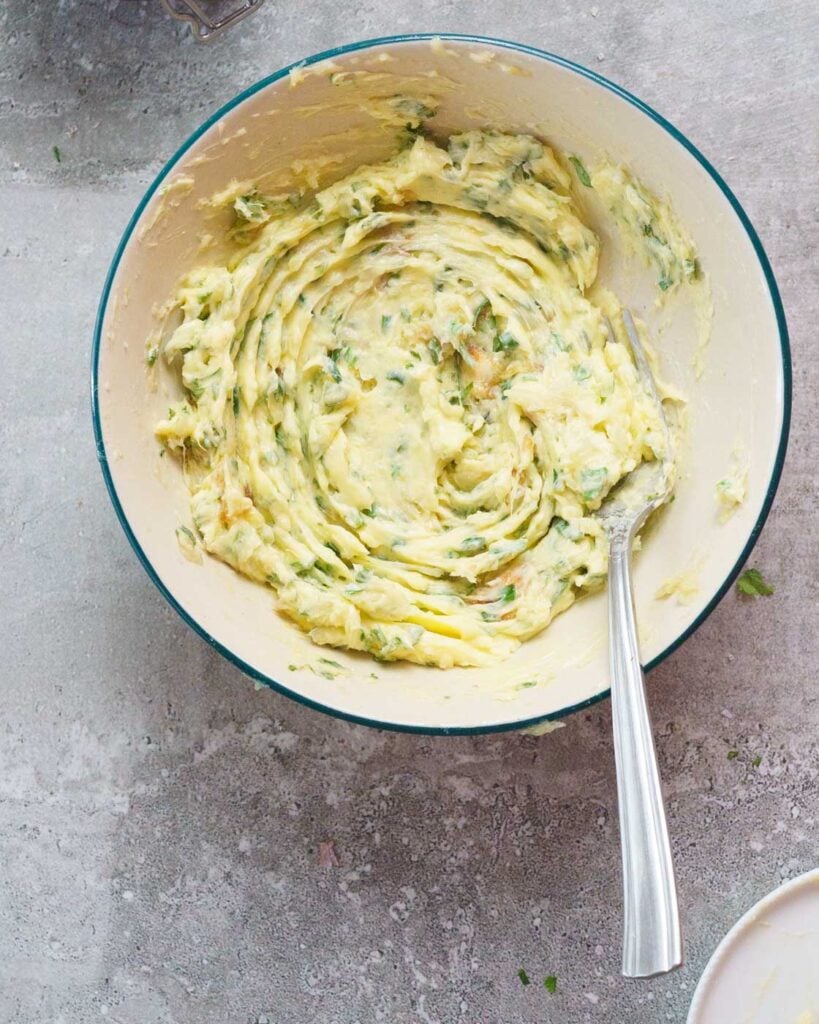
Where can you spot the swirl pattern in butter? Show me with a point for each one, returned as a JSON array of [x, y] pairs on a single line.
[[403, 403]]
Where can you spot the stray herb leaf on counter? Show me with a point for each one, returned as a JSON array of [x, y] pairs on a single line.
[[732, 754], [757, 761], [580, 171], [550, 984], [57, 154], [752, 583], [524, 977]]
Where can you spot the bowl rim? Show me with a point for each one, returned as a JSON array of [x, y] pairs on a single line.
[[735, 934], [605, 83]]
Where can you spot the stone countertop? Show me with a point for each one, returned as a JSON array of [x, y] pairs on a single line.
[[160, 818]]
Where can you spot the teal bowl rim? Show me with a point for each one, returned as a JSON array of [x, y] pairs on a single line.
[[618, 91]]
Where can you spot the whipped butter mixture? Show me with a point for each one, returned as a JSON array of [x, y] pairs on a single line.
[[403, 404]]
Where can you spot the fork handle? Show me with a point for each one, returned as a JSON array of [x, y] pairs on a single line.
[[651, 934]]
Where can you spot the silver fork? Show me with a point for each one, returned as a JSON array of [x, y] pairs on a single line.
[[651, 934]]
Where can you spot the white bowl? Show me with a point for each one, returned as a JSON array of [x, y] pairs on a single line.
[[764, 970], [743, 396]]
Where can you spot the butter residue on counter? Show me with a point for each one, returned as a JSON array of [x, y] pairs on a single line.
[[542, 728]]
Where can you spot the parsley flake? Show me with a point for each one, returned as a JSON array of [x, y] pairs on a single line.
[[504, 342], [752, 583], [580, 171]]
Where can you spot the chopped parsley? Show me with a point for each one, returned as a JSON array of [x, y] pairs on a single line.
[[757, 761], [411, 106], [250, 208], [752, 583], [57, 154], [524, 977], [509, 593], [592, 481], [732, 754], [472, 546], [483, 313], [504, 342], [692, 268], [550, 984], [344, 352], [580, 171]]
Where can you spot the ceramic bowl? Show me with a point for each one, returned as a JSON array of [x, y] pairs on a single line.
[[740, 403], [764, 970]]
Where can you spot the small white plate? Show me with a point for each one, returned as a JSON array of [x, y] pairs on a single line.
[[766, 969]]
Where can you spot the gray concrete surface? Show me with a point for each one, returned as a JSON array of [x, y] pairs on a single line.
[[159, 818]]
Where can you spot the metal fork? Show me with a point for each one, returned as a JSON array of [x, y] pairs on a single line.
[[651, 934]]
